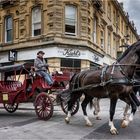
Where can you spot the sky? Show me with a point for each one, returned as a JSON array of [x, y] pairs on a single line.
[[133, 9]]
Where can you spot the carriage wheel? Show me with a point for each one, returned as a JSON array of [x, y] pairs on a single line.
[[74, 110], [43, 106], [10, 108]]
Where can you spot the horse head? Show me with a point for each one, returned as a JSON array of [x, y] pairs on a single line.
[[130, 58]]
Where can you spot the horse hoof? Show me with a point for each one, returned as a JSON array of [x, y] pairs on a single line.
[[98, 118], [67, 120], [124, 123], [114, 131], [89, 124]]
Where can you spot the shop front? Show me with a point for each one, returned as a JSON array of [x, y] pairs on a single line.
[[74, 59]]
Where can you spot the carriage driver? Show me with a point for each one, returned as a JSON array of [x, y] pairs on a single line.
[[41, 68]]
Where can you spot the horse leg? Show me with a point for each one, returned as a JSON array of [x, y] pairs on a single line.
[[97, 108], [125, 114], [67, 119], [71, 102], [86, 100], [113, 102], [133, 110]]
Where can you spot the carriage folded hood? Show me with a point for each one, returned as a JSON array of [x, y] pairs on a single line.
[[11, 68]]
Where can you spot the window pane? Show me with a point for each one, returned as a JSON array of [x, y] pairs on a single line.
[[70, 19], [37, 26], [37, 32], [70, 12], [8, 28], [36, 21], [9, 35], [69, 29], [36, 15], [9, 23]]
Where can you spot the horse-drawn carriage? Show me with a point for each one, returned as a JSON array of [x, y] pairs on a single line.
[[19, 85]]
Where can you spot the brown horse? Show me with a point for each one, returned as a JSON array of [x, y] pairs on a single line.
[[112, 81]]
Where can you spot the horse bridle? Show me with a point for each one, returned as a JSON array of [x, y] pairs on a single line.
[[121, 69]]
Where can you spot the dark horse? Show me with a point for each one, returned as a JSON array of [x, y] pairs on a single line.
[[114, 82]]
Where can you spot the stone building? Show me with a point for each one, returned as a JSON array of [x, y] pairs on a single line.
[[77, 34]]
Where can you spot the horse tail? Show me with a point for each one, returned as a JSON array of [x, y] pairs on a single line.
[[66, 94]]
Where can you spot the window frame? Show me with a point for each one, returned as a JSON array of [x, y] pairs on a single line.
[[109, 42], [8, 29], [33, 23], [95, 30], [75, 20]]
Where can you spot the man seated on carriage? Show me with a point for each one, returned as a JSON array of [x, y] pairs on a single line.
[[41, 68]]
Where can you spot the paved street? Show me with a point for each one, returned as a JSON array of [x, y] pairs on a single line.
[[23, 124]]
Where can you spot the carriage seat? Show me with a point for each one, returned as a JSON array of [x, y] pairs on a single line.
[[10, 85]]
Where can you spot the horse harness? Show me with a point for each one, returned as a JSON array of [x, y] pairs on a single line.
[[123, 80], [113, 81]]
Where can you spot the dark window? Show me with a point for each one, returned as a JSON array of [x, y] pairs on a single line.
[[71, 64], [37, 32], [70, 29]]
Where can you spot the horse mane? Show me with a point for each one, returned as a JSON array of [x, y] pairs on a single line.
[[124, 54]]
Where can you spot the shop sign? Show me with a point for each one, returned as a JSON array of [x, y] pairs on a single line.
[[71, 52], [12, 55], [96, 58]]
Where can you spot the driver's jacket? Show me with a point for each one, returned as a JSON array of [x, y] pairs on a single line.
[[40, 64]]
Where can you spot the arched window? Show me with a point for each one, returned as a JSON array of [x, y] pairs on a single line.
[[8, 28], [36, 21]]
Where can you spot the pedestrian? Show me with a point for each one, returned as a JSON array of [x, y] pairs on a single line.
[[41, 68]]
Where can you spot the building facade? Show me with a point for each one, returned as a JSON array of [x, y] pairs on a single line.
[[77, 34]]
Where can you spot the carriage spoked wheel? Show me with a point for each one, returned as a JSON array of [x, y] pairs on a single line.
[[64, 107], [11, 108], [43, 106]]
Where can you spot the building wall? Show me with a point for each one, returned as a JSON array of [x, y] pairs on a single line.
[[111, 21]]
